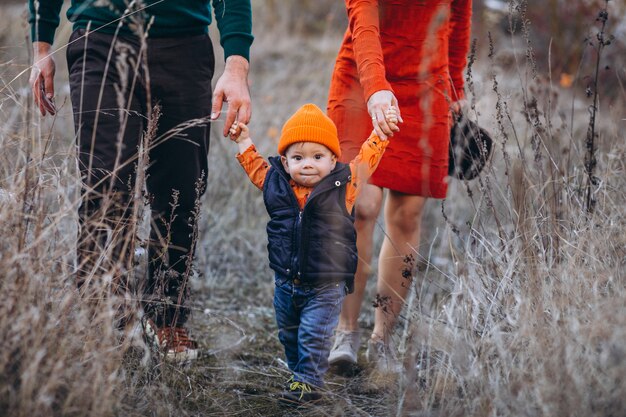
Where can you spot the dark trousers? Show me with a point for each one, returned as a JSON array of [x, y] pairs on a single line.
[[115, 85]]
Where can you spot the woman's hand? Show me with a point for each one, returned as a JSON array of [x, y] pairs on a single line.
[[377, 106], [457, 107]]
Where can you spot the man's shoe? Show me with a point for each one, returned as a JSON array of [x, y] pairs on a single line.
[[299, 394], [173, 342], [382, 357]]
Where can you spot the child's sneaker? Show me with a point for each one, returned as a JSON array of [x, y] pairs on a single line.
[[299, 393], [345, 349], [382, 357], [173, 342]]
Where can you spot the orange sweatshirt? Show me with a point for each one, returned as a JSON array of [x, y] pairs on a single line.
[[361, 167]]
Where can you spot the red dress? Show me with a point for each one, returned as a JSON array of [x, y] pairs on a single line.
[[418, 49]]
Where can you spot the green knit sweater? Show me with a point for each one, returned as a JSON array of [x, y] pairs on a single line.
[[161, 18]]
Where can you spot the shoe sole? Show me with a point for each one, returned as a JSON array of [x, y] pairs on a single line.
[[183, 357], [345, 368], [335, 357]]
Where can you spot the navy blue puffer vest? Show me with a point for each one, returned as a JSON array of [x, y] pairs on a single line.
[[318, 244]]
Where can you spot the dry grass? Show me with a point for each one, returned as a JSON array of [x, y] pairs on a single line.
[[518, 309]]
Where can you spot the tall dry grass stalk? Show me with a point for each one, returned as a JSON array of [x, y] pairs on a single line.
[[518, 308]]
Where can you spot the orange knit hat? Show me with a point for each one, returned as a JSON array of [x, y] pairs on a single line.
[[309, 124]]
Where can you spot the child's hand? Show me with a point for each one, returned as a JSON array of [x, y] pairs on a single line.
[[239, 132], [392, 118]]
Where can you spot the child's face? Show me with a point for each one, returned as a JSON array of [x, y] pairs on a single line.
[[308, 162]]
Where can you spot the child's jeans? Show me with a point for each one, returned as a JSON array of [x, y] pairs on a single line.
[[306, 317]]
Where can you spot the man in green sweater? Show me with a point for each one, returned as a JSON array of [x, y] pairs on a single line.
[[125, 57]]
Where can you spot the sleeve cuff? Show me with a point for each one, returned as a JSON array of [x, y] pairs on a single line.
[[43, 32], [372, 86], [241, 157], [238, 45]]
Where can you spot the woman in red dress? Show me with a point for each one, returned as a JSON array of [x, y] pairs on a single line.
[[410, 54]]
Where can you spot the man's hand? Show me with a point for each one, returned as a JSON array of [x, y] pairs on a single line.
[[377, 106], [232, 87], [42, 78]]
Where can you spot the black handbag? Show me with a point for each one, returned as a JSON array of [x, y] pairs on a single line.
[[470, 149]]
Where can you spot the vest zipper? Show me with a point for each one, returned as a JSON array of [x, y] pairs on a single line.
[[296, 253], [302, 241]]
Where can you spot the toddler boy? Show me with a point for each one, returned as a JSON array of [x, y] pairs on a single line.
[[309, 197]]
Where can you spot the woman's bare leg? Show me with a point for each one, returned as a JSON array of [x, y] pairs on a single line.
[[403, 216], [368, 207]]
